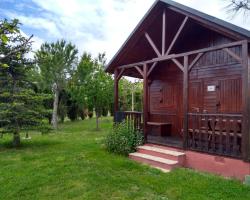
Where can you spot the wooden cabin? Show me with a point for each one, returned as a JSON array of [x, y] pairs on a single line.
[[196, 82]]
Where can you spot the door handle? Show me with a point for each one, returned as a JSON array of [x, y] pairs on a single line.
[[218, 104]]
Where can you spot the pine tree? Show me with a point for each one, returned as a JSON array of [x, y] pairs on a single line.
[[21, 108]]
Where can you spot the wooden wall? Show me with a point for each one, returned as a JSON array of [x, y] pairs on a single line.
[[216, 69]]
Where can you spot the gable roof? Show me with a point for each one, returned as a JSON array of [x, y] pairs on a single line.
[[192, 13]]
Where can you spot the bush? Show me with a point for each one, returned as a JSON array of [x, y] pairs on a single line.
[[45, 129], [90, 114], [105, 112], [123, 140], [72, 111], [82, 114]]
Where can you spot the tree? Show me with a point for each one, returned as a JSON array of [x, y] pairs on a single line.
[[91, 87], [21, 107], [99, 88], [56, 62], [236, 6], [77, 85], [130, 97]]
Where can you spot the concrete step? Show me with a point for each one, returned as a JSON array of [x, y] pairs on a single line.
[[154, 160], [164, 147], [162, 153], [161, 169]]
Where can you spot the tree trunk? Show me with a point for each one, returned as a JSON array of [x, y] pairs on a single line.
[[97, 121], [55, 108], [133, 107], [16, 140]]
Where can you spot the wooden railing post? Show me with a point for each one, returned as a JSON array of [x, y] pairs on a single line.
[[145, 100], [185, 103], [116, 95], [245, 102]]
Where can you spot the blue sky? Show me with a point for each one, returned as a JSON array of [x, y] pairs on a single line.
[[93, 25]]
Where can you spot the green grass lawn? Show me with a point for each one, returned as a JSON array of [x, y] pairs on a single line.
[[73, 164]]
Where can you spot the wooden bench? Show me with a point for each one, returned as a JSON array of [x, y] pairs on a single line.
[[163, 128]]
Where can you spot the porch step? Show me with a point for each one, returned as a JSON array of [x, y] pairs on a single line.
[[162, 169], [158, 157], [162, 153]]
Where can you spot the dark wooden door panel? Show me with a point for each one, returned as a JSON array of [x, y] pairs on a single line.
[[210, 97], [195, 96], [230, 95]]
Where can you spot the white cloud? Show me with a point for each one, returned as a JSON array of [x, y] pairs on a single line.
[[37, 42], [101, 25], [93, 25]]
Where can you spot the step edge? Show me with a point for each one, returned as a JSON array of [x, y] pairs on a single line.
[[155, 158], [163, 151], [161, 169]]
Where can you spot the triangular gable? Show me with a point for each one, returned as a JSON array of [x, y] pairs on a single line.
[[157, 8]]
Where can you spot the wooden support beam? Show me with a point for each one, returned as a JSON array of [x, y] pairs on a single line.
[[185, 103], [195, 61], [139, 70], [116, 95], [169, 57], [120, 74], [163, 33], [245, 103], [145, 100], [176, 35], [152, 45], [178, 64], [234, 55], [152, 68]]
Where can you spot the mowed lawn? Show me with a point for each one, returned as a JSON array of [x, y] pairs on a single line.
[[73, 164]]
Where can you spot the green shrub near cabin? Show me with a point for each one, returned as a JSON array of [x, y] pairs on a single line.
[[123, 139]]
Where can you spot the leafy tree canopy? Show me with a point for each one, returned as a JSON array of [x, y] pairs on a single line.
[[56, 62]]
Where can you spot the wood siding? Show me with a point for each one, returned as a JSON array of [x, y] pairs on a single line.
[[216, 69]]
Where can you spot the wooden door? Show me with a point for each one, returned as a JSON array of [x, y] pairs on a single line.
[[211, 101], [230, 95], [195, 96]]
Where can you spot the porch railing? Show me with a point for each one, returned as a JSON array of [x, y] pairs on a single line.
[[215, 133], [133, 119]]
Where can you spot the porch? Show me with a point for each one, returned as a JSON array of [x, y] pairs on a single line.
[[192, 128], [218, 134]]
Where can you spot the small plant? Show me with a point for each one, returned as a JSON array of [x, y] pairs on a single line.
[[123, 139]]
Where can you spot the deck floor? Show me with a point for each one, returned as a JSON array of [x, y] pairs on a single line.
[[169, 140]]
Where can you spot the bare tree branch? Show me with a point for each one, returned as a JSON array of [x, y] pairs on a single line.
[[237, 6], [17, 49]]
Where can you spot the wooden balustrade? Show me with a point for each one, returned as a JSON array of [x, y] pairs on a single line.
[[133, 119], [215, 133]]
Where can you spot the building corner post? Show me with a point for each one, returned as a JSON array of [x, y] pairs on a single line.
[[185, 103], [145, 100]]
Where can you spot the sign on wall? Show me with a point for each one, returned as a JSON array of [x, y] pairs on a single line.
[[211, 88]]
